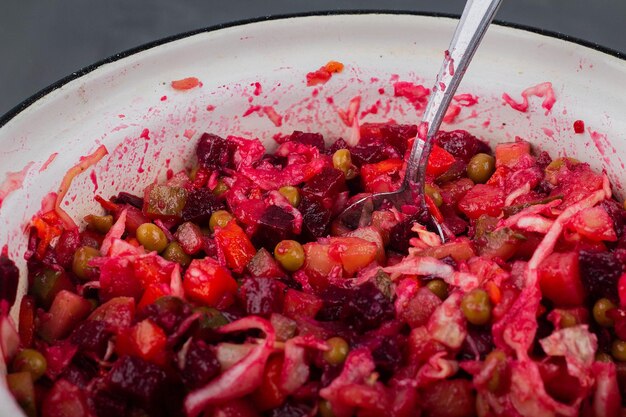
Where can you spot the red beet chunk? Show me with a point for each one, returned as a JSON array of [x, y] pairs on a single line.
[[478, 343], [214, 152], [461, 144], [137, 380], [338, 144], [316, 217], [398, 135], [600, 272], [388, 355], [449, 398], [201, 203], [482, 199], [291, 409], [68, 242], [327, 184], [309, 139], [200, 365], [262, 296], [167, 312], [274, 225], [400, 234], [91, 336], [127, 198], [9, 278]]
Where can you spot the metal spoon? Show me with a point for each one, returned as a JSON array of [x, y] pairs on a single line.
[[476, 17]]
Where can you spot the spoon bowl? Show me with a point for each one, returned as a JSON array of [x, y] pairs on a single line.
[[476, 18]]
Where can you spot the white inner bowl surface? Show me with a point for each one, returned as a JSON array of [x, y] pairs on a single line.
[[114, 104]]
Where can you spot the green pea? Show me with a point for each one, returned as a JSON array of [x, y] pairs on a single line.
[[476, 307], [289, 254], [292, 194], [438, 287], [220, 188], [175, 253], [80, 264], [338, 351], [219, 218], [599, 312], [342, 160], [324, 409], [618, 350], [100, 224], [481, 167], [30, 360], [151, 237]]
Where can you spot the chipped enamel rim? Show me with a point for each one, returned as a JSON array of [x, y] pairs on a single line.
[[126, 102]]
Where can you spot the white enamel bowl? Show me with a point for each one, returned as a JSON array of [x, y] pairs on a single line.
[[113, 102]]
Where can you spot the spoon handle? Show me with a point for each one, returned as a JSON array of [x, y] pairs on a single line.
[[477, 15]]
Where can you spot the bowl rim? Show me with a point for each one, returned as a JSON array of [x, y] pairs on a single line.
[[20, 107]]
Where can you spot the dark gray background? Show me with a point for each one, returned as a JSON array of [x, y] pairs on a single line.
[[42, 41]]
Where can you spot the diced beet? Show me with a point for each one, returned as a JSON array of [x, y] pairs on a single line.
[[368, 307], [400, 234], [68, 242], [309, 139], [461, 144], [201, 203], [127, 198], [388, 355], [477, 343], [264, 265], [316, 217], [167, 312], [274, 225], [214, 152], [397, 135], [617, 213], [291, 409], [236, 408], [137, 380], [420, 308], [65, 400], [543, 160], [338, 144], [80, 371], [368, 154], [91, 336], [364, 307], [262, 296], [108, 404], [449, 398], [452, 221], [600, 273], [327, 184], [9, 278], [199, 366]]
